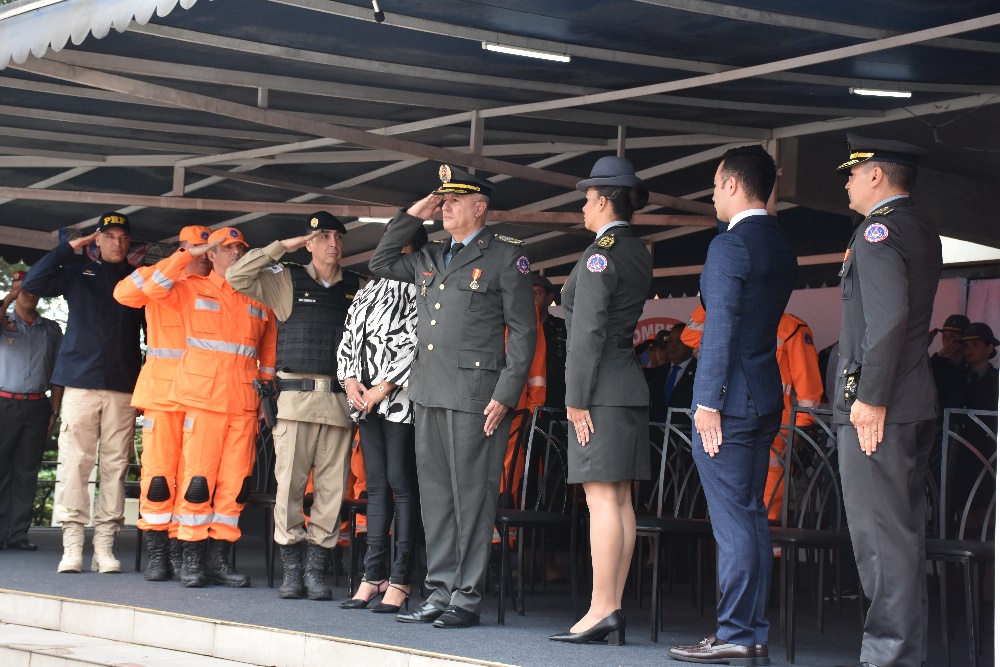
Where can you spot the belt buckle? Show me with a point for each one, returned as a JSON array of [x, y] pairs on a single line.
[[321, 384]]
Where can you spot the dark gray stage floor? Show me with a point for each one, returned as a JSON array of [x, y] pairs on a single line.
[[522, 641]]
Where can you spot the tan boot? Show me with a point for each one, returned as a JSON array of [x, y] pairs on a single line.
[[104, 539], [72, 559]]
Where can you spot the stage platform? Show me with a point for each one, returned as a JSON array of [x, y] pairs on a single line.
[[254, 627]]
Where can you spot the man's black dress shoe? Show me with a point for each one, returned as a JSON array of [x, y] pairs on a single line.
[[611, 629], [456, 617], [22, 545], [714, 651], [425, 613]]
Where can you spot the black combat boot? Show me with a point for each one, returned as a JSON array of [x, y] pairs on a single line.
[[158, 547], [193, 567], [176, 558], [291, 585], [218, 570], [315, 564]]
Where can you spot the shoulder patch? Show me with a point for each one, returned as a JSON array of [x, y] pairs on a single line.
[[876, 232], [596, 263], [882, 210], [276, 268], [523, 265], [606, 241], [509, 239]]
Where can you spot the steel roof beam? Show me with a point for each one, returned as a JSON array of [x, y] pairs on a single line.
[[55, 180]]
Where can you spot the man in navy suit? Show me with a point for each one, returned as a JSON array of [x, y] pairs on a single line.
[[745, 285]]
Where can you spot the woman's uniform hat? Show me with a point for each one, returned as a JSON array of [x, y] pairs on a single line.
[[981, 331], [957, 323], [880, 150], [456, 181], [610, 170]]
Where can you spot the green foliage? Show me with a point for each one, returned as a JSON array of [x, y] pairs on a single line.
[[53, 308]]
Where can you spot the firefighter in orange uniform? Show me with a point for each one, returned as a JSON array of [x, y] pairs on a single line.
[[163, 420], [532, 396], [230, 343], [801, 381]]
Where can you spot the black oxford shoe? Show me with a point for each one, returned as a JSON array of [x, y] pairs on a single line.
[[714, 651], [22, 545], [456, 617], [425, 613]]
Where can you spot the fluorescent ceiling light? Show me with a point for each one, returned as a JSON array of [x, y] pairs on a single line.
[[27, 7], [881, 93], [527, 53], [385, 221], [954, 251]]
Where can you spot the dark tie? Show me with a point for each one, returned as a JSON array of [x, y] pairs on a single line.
[[668, 388], [455, 249]]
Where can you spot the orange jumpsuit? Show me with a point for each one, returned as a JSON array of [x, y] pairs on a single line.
[[230, 342], [163, 419], [801, 382], [532, 396], [357, 484]]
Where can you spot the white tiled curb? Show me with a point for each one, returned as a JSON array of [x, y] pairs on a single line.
[[256, 645]]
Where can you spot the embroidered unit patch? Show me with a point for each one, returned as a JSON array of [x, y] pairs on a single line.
[[597, 263], [523, 265], [876, 232]]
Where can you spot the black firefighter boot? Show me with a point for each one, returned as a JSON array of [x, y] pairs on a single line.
[[158, 547], [193, 568], [218, 569], [176, 558], [315, 564], [291, 583]]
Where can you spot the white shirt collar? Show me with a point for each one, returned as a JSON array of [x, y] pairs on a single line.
[[467, 239], [617, 223], [886, 201], [739, 217]]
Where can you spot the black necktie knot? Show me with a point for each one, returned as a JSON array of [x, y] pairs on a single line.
[[456, 248]]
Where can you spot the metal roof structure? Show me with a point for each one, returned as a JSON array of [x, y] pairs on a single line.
[[257, 112]]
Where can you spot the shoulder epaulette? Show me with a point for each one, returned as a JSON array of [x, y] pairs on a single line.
[[509, 239], [437, 241], [290, 264], [884, 210], [606, 241]]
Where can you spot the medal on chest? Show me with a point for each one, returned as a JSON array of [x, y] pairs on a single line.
[[476, 273], [843, 265]]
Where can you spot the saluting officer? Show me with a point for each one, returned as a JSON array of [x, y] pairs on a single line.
[[313, 431], [469, 292], [885, 396]]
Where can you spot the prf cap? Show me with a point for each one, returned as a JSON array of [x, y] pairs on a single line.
[[195, 234], [114, 221], [862, 149], [227, 236], [455, 181]]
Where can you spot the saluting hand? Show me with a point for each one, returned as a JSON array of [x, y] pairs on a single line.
[[869, 420], [581, 422], [293, 244], [708, 424], [83, 241], [199, 250], [427, 207]]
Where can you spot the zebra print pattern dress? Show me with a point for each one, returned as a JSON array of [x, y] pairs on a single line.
[[380, 337]]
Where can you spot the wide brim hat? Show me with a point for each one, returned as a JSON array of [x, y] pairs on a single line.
[[957, 323], [981, 331], [610, 170]]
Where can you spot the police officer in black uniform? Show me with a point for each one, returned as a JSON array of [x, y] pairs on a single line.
[[884, 398]]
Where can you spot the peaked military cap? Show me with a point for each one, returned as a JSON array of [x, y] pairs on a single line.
[[881, 150], [321, 220], [610, 170], [456, 181], [114, 220]]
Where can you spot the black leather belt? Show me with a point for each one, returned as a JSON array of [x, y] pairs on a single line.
[[309, 384]]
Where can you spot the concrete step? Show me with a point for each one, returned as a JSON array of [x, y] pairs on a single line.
[[25, 646]]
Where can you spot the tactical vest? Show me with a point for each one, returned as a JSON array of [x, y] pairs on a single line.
[[309, 338]]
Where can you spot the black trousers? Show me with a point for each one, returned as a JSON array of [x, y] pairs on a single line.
[[23, 427], [391, 469]]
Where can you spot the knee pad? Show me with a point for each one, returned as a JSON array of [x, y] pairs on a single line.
[[159, 490], [197, 491], [244, 494]]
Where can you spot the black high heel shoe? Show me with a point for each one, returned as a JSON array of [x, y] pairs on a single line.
[[359, 603], [611, 627], [383, 608]]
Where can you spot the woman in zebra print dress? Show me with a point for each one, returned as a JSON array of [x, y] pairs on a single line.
[[373, 364]]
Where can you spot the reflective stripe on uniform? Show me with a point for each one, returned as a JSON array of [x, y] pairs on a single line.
[[222, 346], [267, 369], [162, 280], [536, 381], [257, 312], [188, 423], [695, 326], [206, 304], [137, 279], [227, 520], [194, 519], [157, 519], [164, 353]]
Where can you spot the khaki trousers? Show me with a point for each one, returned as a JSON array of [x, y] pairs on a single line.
[[98, 425], [301, 447]]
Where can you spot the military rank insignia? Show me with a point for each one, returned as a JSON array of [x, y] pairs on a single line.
[[876, 232], [597, 263], [884, 210], [510, 240], [523, 265], [314, 223], [444, 173], [606, 241]]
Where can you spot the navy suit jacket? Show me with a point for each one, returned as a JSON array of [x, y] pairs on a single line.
[[745, 286]]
